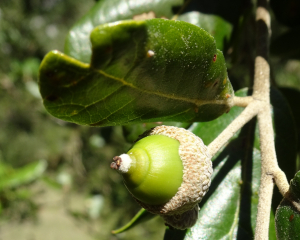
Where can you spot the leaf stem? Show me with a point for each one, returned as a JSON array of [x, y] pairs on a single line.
[[242, 101], [250, 111]]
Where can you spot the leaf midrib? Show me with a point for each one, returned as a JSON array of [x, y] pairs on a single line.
[[197, 102]]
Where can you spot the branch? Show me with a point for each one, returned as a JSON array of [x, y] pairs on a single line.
[[250, 111], [242, 101], [261, 92], [259, 104]]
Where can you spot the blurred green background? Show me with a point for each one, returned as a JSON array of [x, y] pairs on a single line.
[[55, 180]]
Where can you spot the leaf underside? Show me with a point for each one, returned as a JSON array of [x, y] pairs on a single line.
[[140, 71]]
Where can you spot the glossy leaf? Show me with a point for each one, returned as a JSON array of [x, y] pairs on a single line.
[[105, 11], [78, 42], [141, 71], [10, 177], [232, 206], [287, 221]]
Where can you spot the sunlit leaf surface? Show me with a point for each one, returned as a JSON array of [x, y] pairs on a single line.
[[105, 11], [141, 71]]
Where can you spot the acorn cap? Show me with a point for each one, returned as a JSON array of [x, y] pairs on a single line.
[[197, 171], [182, 221]]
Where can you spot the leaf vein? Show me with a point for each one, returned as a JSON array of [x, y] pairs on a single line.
[[197, 102]]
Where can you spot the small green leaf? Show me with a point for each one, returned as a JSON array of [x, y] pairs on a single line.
[[295, 187], [105, 11], [10, 177], [288, 213], [287, 221], [140, 217], [141, 71]]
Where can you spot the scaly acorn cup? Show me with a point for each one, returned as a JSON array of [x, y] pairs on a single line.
[[168, 172]]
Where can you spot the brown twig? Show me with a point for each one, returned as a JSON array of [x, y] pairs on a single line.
[[250, 111], [269, 166], [259, 104], [242, 101]]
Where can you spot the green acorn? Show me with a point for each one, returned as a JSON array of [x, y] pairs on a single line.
[[168, 172]]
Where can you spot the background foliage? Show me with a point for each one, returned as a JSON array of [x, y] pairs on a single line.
[[54, 176]]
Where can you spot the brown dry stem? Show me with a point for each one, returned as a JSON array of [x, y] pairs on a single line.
[[259, 105]]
